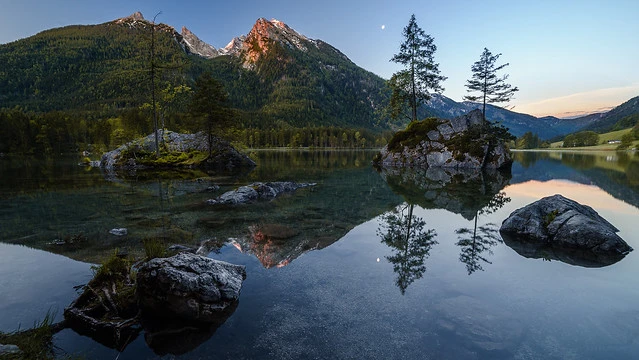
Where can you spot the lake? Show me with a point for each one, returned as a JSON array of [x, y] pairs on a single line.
[[366, 264]]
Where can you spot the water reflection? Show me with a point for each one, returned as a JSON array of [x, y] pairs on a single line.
[[177, 338], [548, 252], [174, 209], [617, 173], [404, 233], [460, 191], [480, 239], [468, 192]]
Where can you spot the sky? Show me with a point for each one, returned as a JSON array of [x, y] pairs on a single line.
[[566, 57]]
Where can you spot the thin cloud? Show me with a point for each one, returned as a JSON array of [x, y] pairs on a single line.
[[587, 102]]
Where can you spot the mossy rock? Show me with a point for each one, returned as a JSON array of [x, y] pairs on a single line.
[[414, 133]]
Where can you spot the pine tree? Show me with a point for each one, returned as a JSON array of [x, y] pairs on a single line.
[[209, 101], [420, 76], [493, 89]]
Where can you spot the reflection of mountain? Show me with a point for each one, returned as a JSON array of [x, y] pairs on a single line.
[[460, 191], [280, 231], [615, 173]]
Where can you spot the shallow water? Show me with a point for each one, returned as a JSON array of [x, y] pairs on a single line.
[[338, 272]]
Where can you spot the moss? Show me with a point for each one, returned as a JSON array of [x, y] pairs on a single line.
[[414, 133], [165, 160], [550, 217]]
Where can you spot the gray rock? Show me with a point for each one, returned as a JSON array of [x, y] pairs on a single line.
[[119, 231], [562, 223], [257, 191], [9, 350], [189, 287]]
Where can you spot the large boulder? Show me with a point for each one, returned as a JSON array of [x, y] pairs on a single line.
[[257, 191], [456, 143], [560, 225], [189, 287]]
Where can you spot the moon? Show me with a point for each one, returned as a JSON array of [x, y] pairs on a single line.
[[383, 27]]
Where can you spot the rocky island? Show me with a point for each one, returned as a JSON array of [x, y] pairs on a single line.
[[177, 151], [463, 142]]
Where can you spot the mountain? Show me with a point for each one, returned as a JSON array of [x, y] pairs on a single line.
[[277, 77], [606, 121], [517, 123]]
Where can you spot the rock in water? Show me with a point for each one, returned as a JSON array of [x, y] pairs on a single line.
[[189, 287], [455, 143], [223, 155], [257, 191], [563, 223], [119, 231]]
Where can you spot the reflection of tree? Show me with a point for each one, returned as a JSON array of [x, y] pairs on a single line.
[[475, 242], [405, 234]]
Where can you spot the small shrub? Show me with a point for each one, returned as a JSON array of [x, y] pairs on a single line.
[[113, 269], [154, 248], [550, 217]]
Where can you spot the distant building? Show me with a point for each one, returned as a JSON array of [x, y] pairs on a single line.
[[614, 141]]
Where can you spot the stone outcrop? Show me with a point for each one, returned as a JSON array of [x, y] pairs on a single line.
[[562, 226], [444, 143], [223, 155], [257, 191], [189, 287]]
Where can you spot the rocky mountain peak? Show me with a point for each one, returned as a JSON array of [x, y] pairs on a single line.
[[194, 45], [264, 33], [136, 16]]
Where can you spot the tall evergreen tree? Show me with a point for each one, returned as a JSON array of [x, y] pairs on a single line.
[[420, 76], [493, 89], [209, 102]]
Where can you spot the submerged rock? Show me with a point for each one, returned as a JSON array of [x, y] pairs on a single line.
[[445, 143], [189, 287], [563, 226], [119, 231], [257, 191]]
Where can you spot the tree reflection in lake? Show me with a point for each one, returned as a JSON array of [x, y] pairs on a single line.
[[411, 244], [475, 242], [468, 192]]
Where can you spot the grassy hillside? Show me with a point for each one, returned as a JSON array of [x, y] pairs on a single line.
[[603, 141]]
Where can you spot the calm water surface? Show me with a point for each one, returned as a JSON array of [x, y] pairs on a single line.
[[367, 264]]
